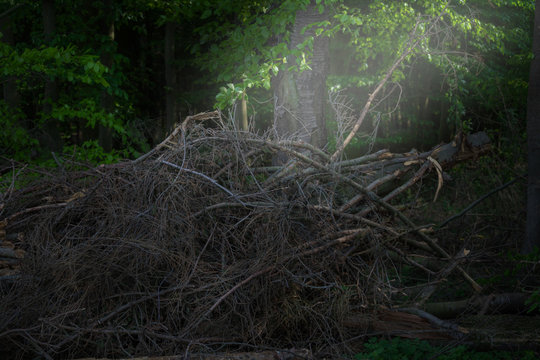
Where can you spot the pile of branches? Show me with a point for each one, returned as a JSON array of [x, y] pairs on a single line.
[[203, 244]]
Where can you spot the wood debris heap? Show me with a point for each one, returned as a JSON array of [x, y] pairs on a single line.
[[204, 242]]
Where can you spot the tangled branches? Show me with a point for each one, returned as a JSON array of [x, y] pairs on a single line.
[[202, 244]]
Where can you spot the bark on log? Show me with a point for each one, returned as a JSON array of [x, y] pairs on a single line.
[[489, 304]]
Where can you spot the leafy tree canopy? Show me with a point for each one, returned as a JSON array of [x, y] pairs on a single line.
[[472, 64]]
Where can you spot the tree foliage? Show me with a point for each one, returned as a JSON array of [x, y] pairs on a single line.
[[470, 71]]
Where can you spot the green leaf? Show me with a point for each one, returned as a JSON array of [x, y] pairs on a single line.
[[206, 14]]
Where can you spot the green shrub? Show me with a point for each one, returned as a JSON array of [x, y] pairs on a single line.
[[397, 348]]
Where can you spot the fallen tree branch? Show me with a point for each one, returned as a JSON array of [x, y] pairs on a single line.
[[435, 321], [489, 304], [182, 128]]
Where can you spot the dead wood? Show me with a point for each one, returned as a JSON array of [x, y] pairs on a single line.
[[292, 354], [406, 323], [502, 331], [489, 304], [203, 239]]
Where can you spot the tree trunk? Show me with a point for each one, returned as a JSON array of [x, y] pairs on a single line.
[[533, 143], [245, 124], [52, 139], [107, 99], [300, 97], [170, 77]]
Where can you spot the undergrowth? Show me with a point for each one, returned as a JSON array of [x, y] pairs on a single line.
[[403, 349]]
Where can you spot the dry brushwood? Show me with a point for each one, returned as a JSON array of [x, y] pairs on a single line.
[[202, 245]]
